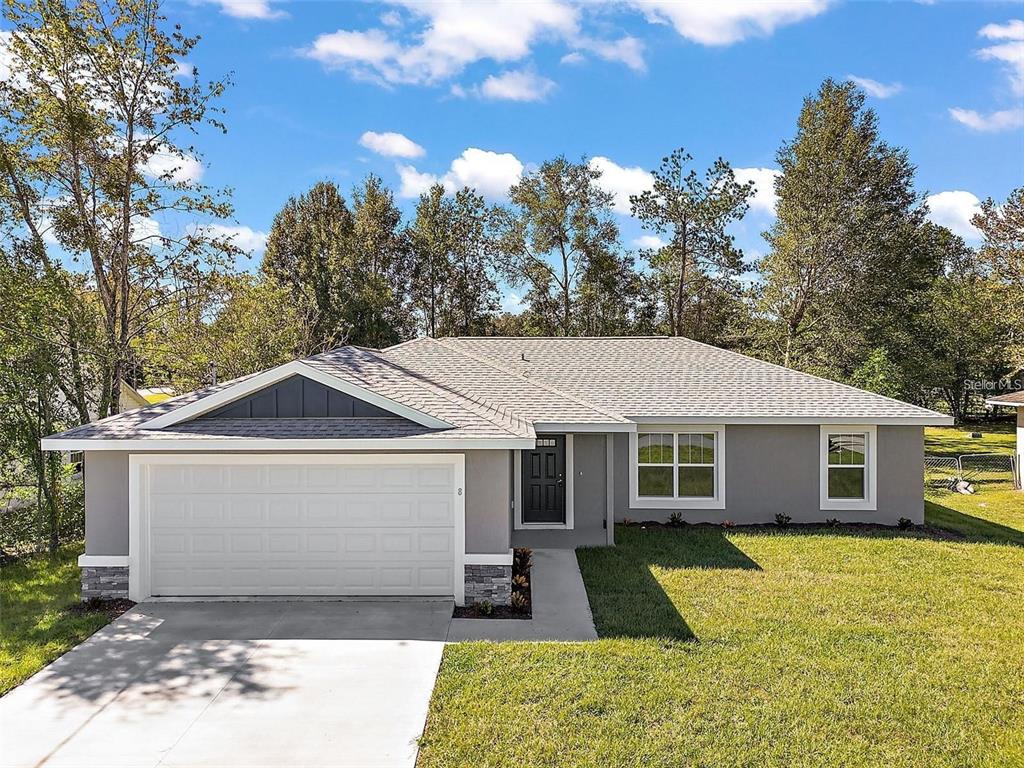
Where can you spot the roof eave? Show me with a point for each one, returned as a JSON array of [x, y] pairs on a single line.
[[232, 444]]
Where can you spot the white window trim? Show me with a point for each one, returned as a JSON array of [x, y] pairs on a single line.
[[869, 503], [139, 577], [650, 502], [517, 494]]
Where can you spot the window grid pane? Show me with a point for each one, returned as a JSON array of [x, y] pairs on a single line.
[[676, 464]]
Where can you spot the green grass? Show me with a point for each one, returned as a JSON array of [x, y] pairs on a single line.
[[998, 437], [761, 647], [35, 626]]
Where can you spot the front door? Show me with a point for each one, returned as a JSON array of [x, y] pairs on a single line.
[[544, 481]]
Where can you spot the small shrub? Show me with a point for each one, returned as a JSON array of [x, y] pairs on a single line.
[[904, 524], [484, 608], [782, 520], [519, 602], [675, 519], [520, 582], [728, 524], [832, 522], [522, 561]]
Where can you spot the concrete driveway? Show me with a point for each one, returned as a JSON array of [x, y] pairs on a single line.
[[235, 684]]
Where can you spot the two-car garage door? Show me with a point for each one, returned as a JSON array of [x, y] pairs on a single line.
[[355, 525]]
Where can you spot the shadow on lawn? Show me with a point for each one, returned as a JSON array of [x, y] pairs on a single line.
[[625, 598], [974, 528]]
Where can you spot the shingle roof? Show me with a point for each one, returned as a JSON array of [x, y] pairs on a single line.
[[678, 377], [1010, 397], [496, 387]]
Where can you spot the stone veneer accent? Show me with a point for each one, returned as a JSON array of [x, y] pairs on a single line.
[[106, 582], [488, 582]]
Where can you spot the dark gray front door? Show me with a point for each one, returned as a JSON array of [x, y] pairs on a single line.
[[544, 481]]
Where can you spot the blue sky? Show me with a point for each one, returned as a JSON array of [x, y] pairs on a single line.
[[479, 93]]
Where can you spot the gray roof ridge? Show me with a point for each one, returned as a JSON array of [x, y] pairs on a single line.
[[481, 407], [489, 361], [809, 375]]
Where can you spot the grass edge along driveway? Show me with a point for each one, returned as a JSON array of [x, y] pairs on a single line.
[[39, 617]]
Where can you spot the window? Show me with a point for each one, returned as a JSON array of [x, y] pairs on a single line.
[[676, 467], [848, 467]]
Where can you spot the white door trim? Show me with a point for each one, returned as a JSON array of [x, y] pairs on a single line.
[[517, 493], [139, 581]]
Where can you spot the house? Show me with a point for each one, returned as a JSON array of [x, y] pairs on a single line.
[[1014, 400], [415, 470]]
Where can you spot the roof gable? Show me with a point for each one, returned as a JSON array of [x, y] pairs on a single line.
[[298, 397]]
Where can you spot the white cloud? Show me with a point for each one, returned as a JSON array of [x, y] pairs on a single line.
[[454, 34], [1011, 30], [764, 198], [516, 85], [652, 242], [575, 57], [954, 211], [1010, 53], [628, 50], [489, 173], [243, 237], [250, 9], [1001, 120], [875, 88], [184, 70], [621, 181], [391, 19], [173, 166], [391, 144], [145, 230], [512, 303], [414, 183], [728, 21], [6, 59]]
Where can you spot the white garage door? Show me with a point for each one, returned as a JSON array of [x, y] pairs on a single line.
[[380, 526]]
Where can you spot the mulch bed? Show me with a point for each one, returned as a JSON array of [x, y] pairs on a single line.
[[522, 562], [851, 528], [112, 608]]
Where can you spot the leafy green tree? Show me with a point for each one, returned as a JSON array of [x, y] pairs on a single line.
[[91, 121], [432, 245], [309, 251], [880, 374], [700, 263], [558, 229], [243, 325], [1002, 258], [847, 262], [378, 310], [37, 372]]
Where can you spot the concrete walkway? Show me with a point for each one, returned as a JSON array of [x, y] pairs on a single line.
[[561, 610], [235, 684]]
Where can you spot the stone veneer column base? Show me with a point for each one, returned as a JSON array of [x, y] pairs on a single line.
[[105, 582], [492, 583]]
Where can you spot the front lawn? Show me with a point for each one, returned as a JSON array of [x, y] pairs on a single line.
[[759, 647], [36, 625], [997, 437]]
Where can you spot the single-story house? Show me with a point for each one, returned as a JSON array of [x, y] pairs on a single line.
[[415, 470], [1014, 400]]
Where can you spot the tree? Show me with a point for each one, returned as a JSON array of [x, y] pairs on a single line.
[[90, 122], [37, 367], [700, 260], [1002, 258], [847, 262], [243, 325], [378, 309], [309, 252], [558, 226], [453, 245]]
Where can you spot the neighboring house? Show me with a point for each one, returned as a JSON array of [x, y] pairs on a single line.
[[1014, 400], [131, 398], [416, 469]]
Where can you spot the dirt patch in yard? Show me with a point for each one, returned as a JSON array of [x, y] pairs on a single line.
[[110, 608]]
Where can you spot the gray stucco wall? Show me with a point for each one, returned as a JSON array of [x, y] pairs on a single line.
[[772, 469], [106, 503], [589, 500], [488, 502]]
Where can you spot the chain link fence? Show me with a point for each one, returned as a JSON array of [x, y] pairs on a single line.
[[981, 470]]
